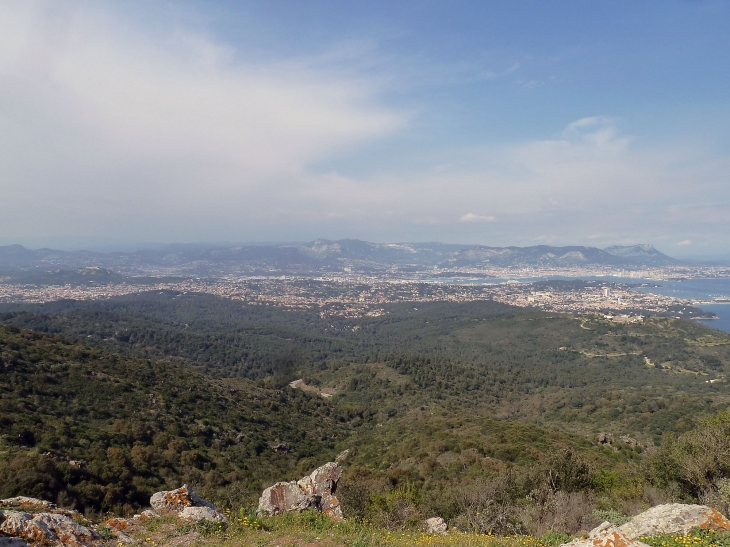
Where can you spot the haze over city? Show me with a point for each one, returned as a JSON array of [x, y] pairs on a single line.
[[489, 123], [364, 274]]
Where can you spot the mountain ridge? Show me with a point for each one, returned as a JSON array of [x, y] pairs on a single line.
[[330, 255]]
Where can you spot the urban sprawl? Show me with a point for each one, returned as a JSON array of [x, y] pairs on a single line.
[[352, 294]]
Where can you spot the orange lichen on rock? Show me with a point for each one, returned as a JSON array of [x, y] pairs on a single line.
[[46, 529], [177, 500], [605, 535], [118, 524], [715, 521], [675, 518]]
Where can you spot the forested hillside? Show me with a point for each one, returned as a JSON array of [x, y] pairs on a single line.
[[95, 430], [108, 401], [579, 373]]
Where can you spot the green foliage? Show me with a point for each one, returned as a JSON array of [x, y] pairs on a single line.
[[700, 538], [569, 472], [247, 518], [310, 520], [581, 373], [209, 528], [478, 412], [611, 515], [93, 430], [555, 539], [105, 532], [398, 508], [698, 460]]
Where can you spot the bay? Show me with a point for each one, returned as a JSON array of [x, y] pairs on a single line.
[[688, 289], [723, 313]]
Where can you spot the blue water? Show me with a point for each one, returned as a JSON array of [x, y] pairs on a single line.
[[690, 289], [694, 289], [723, 312], [699, 289]]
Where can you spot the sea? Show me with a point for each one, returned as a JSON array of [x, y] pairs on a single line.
[[699, 289], [690, 289]]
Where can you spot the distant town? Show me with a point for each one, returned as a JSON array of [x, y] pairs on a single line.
[[351, 294], [354, 278]]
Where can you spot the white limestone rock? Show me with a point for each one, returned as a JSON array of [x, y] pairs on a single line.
[[674, 518]]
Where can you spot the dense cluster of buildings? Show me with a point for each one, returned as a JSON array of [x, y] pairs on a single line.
[[351, 296]]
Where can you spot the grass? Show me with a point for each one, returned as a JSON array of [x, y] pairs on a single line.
[[311, 529], [699, 538]]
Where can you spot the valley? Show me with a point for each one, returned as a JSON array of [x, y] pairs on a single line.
[[153, 389], [438, 384]]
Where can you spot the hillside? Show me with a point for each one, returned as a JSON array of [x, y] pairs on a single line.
[[645, 253], [435, 403], [582, 374], [94, 430], [100, 432]]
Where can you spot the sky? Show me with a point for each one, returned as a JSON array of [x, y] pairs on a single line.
[[480, 122]]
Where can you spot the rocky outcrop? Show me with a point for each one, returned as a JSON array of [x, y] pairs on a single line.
[[283, 497], [196, 514], [435, 525], [34, 505], [633, 443], [31, 521], [316, 490], [671, 518], [146, 514], [605, 535], [11, 542], [47, 528], [674, 518], [34, 522], [185, 503], [28, 503], [605, 438], [177, 500]]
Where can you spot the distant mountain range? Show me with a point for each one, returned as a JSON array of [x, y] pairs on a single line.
[[320, 255]]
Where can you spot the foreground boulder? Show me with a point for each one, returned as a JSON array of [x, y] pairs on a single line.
[[316, 491], [605, 535], [11, 542], [177, 500], [196, 514], [186, 503], [674, 518], [435, 525], [34, 505], [46, 528], [30, 503]]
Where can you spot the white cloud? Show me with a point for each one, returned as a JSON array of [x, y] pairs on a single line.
[[471, 217], [685, 243], [168, 134], [588, 122], [96, 114], [592, 182]]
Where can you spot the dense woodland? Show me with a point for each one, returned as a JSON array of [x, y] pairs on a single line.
[[485, 414], [578, 373]]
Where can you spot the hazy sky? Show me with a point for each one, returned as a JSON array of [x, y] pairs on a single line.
[[498, 123]]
